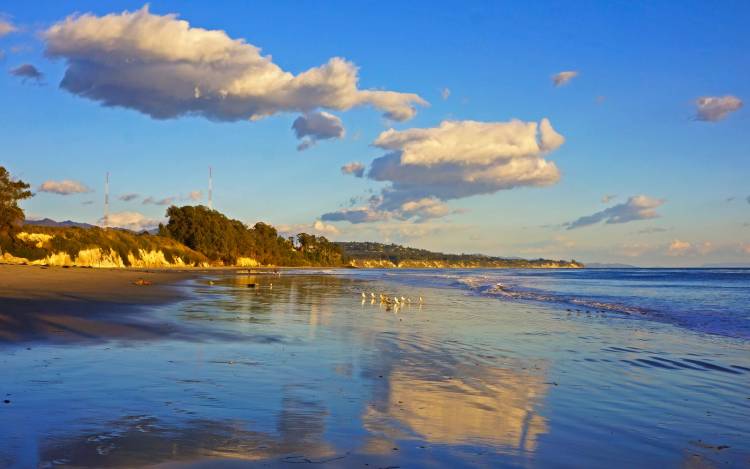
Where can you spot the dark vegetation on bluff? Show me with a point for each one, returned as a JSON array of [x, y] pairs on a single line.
[[223, 239], [401, 254]]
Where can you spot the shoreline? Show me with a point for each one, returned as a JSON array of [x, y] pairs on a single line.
[[56, 304]]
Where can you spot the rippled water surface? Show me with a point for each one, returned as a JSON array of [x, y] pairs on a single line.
[[547, 369]]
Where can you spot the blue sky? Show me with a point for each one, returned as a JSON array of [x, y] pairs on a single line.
[[628, 119]]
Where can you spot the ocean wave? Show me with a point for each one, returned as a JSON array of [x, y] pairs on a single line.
[[503, 290]]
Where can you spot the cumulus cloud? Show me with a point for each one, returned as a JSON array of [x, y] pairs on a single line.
[[65, 187], [608, 198], [128, 197], [152, 201], [356, 215], [355, 168], [639, 207], [454, 160], [685, 248], [27, 72], [6, 27], [423, 209], [166, 68], [194, 196], [678, 247], [563, 78], [716, 108], [130, 220], [324, 228], [314, 126], [317, 228]]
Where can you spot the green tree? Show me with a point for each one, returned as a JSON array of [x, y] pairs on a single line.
[[11, 192], [225, 240]]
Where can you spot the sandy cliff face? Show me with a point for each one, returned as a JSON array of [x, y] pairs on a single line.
[[93, 257]]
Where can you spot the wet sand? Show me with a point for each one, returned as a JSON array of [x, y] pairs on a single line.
[[72, 304]]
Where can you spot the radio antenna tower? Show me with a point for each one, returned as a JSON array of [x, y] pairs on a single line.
[[210, 188], [106, 200]]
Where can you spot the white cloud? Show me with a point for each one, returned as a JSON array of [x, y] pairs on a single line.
[[716, 108], [27, 72], [325, 228], [685, 248], [423, 209], [314, 126], [455, 160], [6, 27], [164, 201], [317, 228], [639, 207], [128, 197], [678, 247], [355, 167], [194, 196], [469, 143], [163, 67], [130, 220], [445, 93], [563, 78], [356, 215], [65, 187], [607, 198]]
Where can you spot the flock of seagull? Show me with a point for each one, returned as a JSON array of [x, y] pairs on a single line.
[[389, 302]]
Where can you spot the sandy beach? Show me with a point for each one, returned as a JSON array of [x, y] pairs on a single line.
[[72, 304]]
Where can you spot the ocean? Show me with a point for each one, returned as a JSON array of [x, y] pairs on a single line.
[[493, 368], [714, 301]]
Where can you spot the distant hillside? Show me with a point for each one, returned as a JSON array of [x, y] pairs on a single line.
[[95, 247], [369, 254], [51, 222], [598, 265]]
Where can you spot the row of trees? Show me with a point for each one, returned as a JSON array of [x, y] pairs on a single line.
[[223, 239]]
